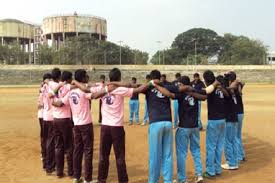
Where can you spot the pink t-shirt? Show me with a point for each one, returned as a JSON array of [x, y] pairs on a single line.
[[40, 102], [112, 109], [47, 104], [80, 106], [65, 110]]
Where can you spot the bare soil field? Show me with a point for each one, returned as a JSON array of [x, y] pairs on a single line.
[[20, 151]]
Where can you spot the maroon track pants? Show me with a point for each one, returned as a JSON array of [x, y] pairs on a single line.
[[42, 141], [49, 162], [63, 131], [83, 143], [112, 136]]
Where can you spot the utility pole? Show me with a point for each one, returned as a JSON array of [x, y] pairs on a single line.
[[120, 42], [159, 42]]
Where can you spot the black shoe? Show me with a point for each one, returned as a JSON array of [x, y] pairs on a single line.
[[60, 175]]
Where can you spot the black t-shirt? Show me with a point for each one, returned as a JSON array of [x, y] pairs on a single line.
[[188, 111], [239, 97], [159, 106], [176, 84], [215, 105], [231, 108], [198, 85], [135, 95]]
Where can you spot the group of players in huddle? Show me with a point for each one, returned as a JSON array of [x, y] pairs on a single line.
[[64, 112]]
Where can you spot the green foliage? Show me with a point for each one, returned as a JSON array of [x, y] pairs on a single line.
[[87, 50], [230, 49], [13, 54], [242, 51]]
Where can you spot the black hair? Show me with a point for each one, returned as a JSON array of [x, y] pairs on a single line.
[[56, 74], [102, 77], [66, 76], [233, 75], [209, 77], [223, 80], [196, 75], [163, 76], [115, 75], [47, 76], [80, 75], [178, 75], [134, 79], [155, 74], [148, 76], [185, 80]]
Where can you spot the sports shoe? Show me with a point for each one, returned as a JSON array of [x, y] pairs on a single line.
[[199, 179], [130, 124], [142, 124], [227, 167], [176, 181], [77, 180], [207, 175], [92, 181]]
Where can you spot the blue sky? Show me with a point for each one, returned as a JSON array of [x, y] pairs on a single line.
[[141, 23]]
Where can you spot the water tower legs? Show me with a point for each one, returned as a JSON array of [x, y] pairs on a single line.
[[30, 51]]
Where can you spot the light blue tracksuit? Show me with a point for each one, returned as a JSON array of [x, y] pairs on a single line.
[[176, 113], [134, 110], [184, 136], [215, 133], [230, 146], [240, 149], [160, 151], [199, 117], [146, 113]]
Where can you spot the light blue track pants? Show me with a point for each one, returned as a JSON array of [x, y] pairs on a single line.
[[134, 110], [160, 151], [215, 133], [184, 137], [241, 154], [230, 146], [176, 112]]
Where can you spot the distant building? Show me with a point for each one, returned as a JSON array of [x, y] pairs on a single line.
[[270, 59]]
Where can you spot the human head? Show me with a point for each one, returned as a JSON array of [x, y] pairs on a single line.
[[155, 74], [177, 76], [134, 80], [102, 78], [56, 74], [185, 80], [222, 80], [47, 76], [115, 75], [163, 78], [209, 77], [66, 76], [196, 76], [81, 76]]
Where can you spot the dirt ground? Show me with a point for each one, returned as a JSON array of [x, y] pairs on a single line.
[[20, 151]]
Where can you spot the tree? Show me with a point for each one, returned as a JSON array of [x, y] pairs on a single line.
[[207, 42], [45, 54], [242, 51]]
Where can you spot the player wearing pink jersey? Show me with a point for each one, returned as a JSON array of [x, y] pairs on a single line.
[[48, 117], [63, 128], [43, 125], [112, 130], [83, 129]]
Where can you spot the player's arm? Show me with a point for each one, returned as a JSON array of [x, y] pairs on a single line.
[[121, 84], [197, 96], [140, 88], [164, 91], [185, 88], [81, 86], [209, 89], [57, 103], [224, 91]]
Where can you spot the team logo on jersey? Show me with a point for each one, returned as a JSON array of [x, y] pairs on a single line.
[[109, 99], [219, 93], [158, 93], [190, 100], [75, 98]]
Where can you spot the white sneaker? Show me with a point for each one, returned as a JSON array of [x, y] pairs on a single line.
[[227, 167], [142, 124], [176, 181], [92, 181], [77, 180], [199, 179]]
